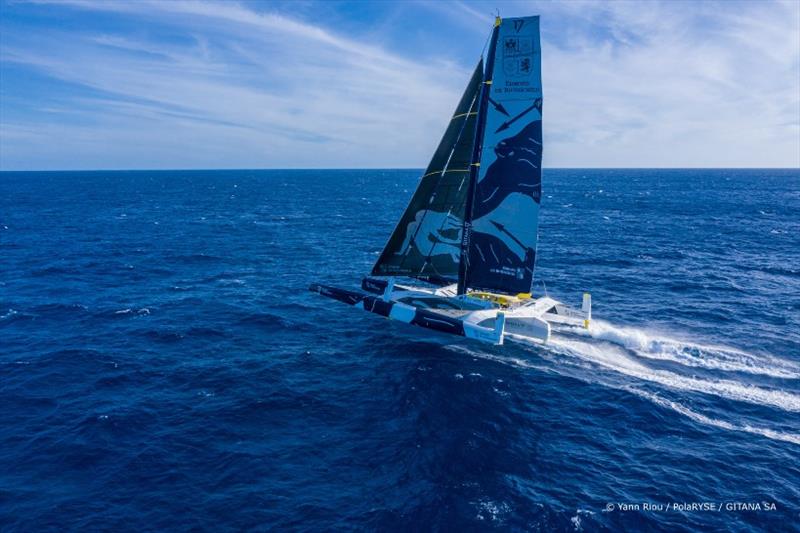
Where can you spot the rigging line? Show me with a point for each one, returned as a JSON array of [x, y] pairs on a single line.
[[436, 270], [444, 170], [464, 114], [483, 100], [486, 42], [386, 246], [433, 267], [430, 251]]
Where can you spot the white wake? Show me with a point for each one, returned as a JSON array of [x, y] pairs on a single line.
[[625, 351], [616, 359], [661, 347]]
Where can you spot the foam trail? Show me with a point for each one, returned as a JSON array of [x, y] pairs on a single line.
[[687, 353], [794, 438], [733, 393], [619, 361]]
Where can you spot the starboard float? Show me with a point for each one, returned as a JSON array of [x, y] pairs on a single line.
[[470, 229]]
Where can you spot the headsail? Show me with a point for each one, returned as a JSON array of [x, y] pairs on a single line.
[[426, 243], [502, 220]]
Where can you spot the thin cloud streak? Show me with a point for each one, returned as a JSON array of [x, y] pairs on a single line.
[[317, 100]]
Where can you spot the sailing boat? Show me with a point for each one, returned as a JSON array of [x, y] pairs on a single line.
[[470, 230]]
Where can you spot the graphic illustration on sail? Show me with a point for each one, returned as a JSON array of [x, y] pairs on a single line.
[[500, 247], [426, 243]]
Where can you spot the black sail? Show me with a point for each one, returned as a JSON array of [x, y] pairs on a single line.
[[426, 243]]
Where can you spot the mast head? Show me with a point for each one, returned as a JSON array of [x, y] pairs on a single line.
[[497, 21]]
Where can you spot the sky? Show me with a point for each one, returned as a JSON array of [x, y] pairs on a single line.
[[148, 84]]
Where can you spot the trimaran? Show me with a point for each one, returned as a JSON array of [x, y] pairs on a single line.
[[470, 230]]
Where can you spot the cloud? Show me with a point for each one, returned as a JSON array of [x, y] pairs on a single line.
[[292, 93], [672, 84], [187, 84]]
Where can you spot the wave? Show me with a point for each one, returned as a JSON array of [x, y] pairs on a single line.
[[615, 355], [653, 346], [11, 313], [517, 362], [195, 258], [144, 311], [706, 420], [267, 320]]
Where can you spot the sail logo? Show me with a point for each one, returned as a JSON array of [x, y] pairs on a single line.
[[432, 234], [518, 24]]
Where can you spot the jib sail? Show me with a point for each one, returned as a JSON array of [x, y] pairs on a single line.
[[502, 215], [426, 243]]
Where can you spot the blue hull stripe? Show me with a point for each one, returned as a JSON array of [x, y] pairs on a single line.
[[425, 318]]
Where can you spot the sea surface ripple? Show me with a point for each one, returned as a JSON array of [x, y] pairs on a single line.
[[163, 366]]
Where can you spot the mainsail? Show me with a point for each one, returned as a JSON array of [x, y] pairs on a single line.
[[426, 243], [501, 226]]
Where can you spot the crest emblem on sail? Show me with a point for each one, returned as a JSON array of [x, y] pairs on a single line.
[[426, 243]]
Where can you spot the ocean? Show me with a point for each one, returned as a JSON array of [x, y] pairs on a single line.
[[163, 365]]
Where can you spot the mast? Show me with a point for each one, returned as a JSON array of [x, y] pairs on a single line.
[[474, 168]]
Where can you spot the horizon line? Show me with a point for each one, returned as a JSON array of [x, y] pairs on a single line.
[[2, 171]]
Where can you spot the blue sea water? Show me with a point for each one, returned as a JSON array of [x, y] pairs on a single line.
[[163, 366]]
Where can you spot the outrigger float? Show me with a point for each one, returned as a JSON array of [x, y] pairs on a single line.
[[470, 230]]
